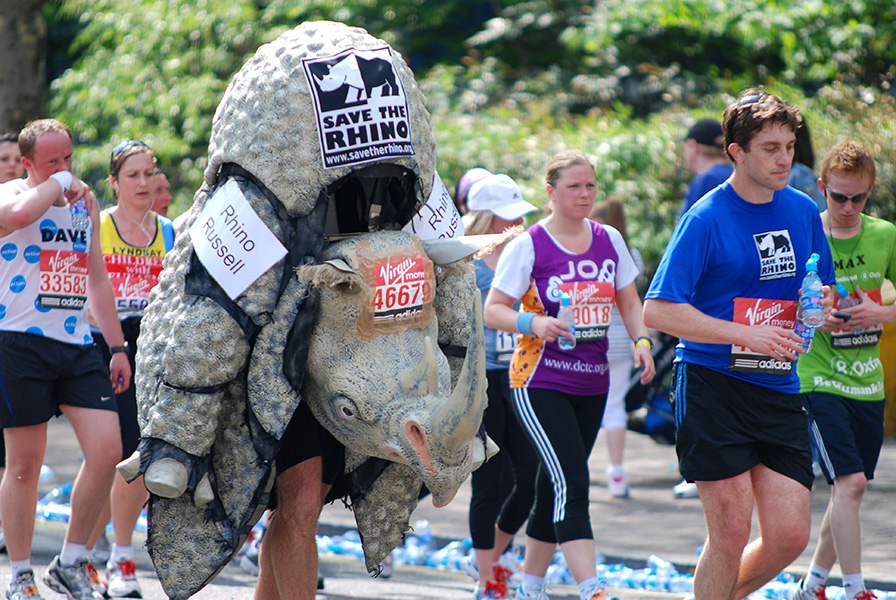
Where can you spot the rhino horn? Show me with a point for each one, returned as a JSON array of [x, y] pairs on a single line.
[[423, 379], [461, 414]]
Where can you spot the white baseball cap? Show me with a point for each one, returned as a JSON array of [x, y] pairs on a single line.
[[499, 194]]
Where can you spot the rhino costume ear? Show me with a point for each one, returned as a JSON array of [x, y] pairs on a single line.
[[446, 251], [332, 273]]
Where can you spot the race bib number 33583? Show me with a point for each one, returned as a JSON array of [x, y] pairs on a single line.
[[63, 279]]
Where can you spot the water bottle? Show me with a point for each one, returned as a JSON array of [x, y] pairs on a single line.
[[810, 301], [566, 315], [846, 301], [80, 217]]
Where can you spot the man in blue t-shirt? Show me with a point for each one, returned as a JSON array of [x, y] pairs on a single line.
[[728, 286], [705, 157]]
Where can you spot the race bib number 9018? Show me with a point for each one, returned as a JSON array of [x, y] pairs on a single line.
[[592, 303]]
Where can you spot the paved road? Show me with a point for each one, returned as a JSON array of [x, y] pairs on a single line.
[[650, 522]]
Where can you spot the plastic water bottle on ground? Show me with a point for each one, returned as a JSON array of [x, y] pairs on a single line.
[[80, 217], [566, 315]]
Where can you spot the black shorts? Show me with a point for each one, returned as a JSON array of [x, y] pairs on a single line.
[[847, 434], [727, 426], [38, 375], [127, 400], [306, 438]]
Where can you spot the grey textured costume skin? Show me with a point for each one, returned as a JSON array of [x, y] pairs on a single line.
[[219, 379]]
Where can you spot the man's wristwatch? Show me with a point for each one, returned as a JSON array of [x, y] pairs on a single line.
[[117, 349]]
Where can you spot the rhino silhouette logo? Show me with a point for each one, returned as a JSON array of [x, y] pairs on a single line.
[[773, 244], [350, 80]]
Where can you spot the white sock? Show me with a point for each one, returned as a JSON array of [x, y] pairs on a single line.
[[531, 582], [18, 566], [120, 553], [584, 585], [853, 585], [71, 552], [815, 576]]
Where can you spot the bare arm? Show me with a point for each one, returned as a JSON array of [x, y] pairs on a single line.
[[500, 314], [685, 321], [18, 209], [102, 303], [629, 305], [868, 313]]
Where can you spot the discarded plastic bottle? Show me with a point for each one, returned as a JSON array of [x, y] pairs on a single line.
[[566, 315], [810, 301], [80, 217]]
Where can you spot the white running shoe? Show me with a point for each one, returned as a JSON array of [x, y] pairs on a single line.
[[617, 484], [122, 580], [685, 490]]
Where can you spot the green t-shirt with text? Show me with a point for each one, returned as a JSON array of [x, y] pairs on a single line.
[[843, 362]]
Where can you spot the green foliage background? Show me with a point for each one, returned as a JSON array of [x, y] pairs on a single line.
[[508, 82]]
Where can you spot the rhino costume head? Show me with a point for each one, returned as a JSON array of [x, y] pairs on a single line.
[[322, 134], [388, 393]]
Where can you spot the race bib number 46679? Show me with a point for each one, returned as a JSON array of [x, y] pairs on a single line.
[[63, 279]]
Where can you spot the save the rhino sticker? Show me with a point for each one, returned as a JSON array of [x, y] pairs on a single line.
[[232, 242], [361, 107]]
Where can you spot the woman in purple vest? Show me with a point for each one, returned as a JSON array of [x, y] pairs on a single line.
[[560, 395]]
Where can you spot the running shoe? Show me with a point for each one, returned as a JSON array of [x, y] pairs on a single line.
[[72, 581], [96, 581], [249, 561], [122, 578], [596, 591], [616, 482], [23, 587], [536, 593], [685, 490], [816, 593]]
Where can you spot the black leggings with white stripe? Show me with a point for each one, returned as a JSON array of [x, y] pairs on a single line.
[[563, 428]]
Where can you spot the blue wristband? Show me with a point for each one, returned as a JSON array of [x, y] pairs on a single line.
[[524, 323]]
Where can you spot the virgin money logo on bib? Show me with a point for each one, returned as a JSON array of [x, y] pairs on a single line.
[[775, 254], [361, 107]]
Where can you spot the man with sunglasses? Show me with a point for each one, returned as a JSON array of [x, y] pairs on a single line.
[[728, 287], [842, 376], [49, 364]]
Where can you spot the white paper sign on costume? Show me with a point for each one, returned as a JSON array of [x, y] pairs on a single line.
[[232, 241], [360, 105], [438, 218]]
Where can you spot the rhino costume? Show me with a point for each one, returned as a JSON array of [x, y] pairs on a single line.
[[322, 135]]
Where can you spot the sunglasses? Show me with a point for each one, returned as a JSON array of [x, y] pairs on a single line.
[[843, 198], [751, 99], [117, 150]]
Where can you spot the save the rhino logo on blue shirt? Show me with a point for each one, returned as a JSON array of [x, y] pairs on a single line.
[[776, 254]]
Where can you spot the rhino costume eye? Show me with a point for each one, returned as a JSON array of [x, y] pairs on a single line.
[[346, 408]]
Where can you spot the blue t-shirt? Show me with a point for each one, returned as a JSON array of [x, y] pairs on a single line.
[[726, 248], [804, 179], [706, 182], [499, 345]]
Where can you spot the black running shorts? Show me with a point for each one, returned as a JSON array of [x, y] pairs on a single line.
[[39, 374], [847, 434], [727, 426]]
